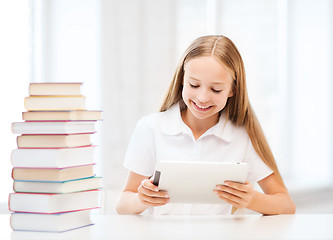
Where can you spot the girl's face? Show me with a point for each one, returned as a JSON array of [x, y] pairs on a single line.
[[207, 86]]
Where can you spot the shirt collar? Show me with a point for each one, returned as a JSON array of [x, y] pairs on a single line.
[[173, 125]]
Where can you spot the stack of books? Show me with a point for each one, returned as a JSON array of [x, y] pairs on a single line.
[[55, 187]]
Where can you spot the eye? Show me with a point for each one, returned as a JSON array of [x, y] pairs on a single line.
[[194, 86], [216, 91]]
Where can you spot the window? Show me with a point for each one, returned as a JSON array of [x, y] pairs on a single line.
[[15, 48]]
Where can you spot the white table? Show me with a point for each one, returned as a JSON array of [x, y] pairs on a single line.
[[190, 227]]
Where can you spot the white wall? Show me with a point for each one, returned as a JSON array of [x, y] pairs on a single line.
[[125, 52], [287, 50], [310, 84], [14, 78], [138, 57], [67, 48]]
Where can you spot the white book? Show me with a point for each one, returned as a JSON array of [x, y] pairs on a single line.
[[53, 127], [53, 140], [78, 185], [50, 203], [59, 222], [52, 158], [53, 174], [41, 103], [55, 88], [83, 115]]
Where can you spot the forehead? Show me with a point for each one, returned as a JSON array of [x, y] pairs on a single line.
[[206, 68]]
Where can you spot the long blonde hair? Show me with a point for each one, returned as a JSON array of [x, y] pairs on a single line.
[[238, 107]]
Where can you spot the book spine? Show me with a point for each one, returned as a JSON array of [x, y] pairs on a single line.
[[9, 205]]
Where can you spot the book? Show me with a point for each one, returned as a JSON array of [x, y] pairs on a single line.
[[49, 203], [53, 174], [76, 115], [49, 127], [58, 222], [78, 185], [53, 140], [54, 88], [52, 157], [38, 103]]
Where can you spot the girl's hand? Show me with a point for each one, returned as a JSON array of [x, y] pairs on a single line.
[[150, 195], [239, 195]]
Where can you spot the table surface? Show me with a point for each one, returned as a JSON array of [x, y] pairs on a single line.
[[297, 226]]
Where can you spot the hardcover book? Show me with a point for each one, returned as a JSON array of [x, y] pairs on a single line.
[[52, 157], [54, 88], [49, 203], [53, 174], [59, 222], [37, 103], [78, 115], [50, 127], [69, 186], [53, 140]]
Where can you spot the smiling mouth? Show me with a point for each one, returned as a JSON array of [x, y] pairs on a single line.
[[200, 107]]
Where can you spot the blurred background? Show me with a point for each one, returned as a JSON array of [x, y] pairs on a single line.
[[125, 52]]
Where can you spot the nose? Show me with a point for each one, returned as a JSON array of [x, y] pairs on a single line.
[[203, 95]]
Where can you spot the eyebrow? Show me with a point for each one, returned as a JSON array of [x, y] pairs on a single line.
[[220, 83]]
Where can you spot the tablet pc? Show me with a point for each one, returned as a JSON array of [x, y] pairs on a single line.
[[194, 182]]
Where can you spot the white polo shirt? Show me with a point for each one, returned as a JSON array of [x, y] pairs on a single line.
[[164, 136]]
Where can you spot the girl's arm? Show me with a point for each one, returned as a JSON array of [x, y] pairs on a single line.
[[138, 194], [274, 200]]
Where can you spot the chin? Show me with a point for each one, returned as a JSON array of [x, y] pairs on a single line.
[[202, 116]]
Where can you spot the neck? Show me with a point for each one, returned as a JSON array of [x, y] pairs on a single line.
[[198, 126]]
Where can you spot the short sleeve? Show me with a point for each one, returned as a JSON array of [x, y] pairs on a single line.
[[140, 154], [258, 170]]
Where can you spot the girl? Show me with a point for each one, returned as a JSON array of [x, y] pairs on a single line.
[[206, 116]]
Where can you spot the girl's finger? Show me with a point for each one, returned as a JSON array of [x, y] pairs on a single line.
[[230, 196], [146, 183], [232, 191], [153, 200], [148, 192], [150, 204], [227, 200], [239, 186]]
